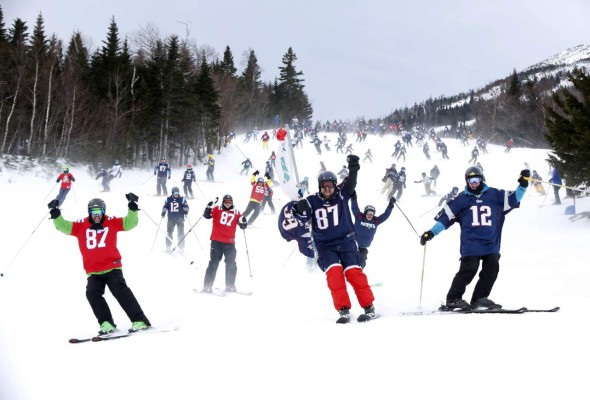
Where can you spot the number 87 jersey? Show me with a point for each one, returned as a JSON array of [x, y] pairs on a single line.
[[481, 218], [331, 219]]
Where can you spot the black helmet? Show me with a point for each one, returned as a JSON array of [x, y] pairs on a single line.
[[326, 176], [471, 173], [370, 209], [474, 171]]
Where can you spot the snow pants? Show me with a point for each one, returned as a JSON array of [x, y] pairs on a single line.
[[467, 270], [219, 250], [114, 279]]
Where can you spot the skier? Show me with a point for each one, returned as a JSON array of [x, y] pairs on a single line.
[[327, 143], [434, 173], [365, 225], [210, 167], [538, 184], [116, 171], [188, 177], [106, 179], [426, 151], [163, 172], [426, 180], [223, 242], [97, 240], [265, 139], [449, 196], [333, 233], [268, 200], [259, 186], [557, 182], [66, 179], [480, 210], [474, 154], [246, 165], [304, 187], [368, 156], [318, 145], [509, 144], [343, 173], [176, 207]]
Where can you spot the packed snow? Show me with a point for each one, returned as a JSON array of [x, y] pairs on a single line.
[[282, 342]]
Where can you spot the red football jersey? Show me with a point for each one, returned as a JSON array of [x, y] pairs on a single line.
[[224, 224], [99, 248]]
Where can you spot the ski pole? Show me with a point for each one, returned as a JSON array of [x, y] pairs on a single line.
[[404, 214], [555, 184], [157, 230], [247, 253], [53, 187], [429, 211], [191, 228], [288, 258], [147, 180], [422, 276], [23, 246], [195, 232]]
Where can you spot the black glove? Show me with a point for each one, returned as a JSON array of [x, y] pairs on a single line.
[[243, 223], [391, 202], [168, 177], [132, 206], [131, 197], [525, 173], [163, 214], [303, 207], [55, 212], [57, 180], [185, 210], [426, 236], [210, 204], [353, 162], [267, 176], [255, 173], [53, 203]]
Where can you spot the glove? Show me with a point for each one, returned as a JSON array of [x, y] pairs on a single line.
[[353, 163], [255, 173], [55, 212], [131, 197], [426, 236], [303, 207], [525, 173], [163, 214], [267, 176], [391, 202], [210, 204], [168, 177], [243, 223], [57, 180], [53, 203], [132, 206], [185, 210]]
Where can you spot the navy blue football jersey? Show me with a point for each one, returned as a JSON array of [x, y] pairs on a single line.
[[481, 218]]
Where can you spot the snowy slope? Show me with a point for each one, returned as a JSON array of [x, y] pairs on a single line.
[[282, 342]]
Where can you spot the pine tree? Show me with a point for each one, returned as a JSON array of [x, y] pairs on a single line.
[[568, 123], [293, 101], [210, 111]]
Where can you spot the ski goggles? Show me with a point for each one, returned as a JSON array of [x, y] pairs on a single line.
[[328, 184], [474, 179], [96, 211]]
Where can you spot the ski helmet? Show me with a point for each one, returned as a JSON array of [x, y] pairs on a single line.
[[260, 180], [97, 203], [370, 209], [326, 176], [175, 190], [228, 198], [474, 172]]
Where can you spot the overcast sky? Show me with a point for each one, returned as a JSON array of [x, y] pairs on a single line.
[[358, 57]]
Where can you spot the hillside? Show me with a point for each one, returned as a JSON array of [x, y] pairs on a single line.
[[282, 342]]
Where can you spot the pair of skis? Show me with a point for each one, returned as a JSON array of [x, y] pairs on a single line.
[[444, 310], [122, 334]]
